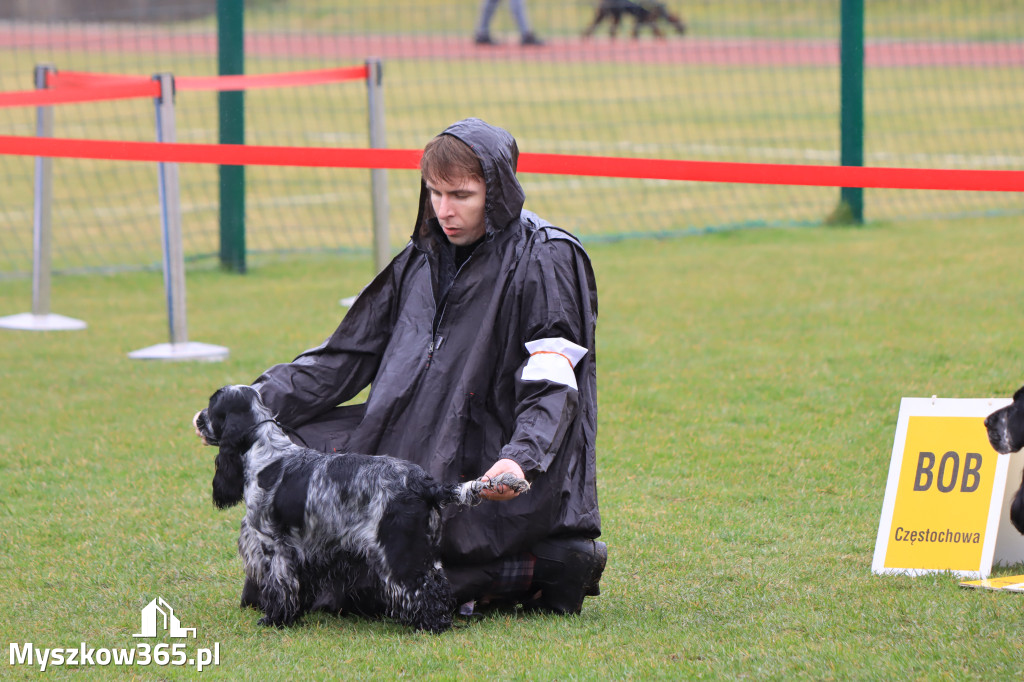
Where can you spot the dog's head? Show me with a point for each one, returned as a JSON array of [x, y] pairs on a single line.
[[230, 417], [229, 422], [1006, 426], [1006, 434]]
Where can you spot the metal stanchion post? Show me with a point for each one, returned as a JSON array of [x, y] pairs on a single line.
[[180, 348], [41, 319], [378, 176]]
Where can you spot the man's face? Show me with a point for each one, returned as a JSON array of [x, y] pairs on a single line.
[[459, 207]]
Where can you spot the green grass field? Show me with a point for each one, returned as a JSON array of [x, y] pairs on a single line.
[[749, 388]]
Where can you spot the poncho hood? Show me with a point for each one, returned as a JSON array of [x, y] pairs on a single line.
[[498, 154]]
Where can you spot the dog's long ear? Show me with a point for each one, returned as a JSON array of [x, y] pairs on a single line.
[[231, 421], [229, 477], [236, 430]]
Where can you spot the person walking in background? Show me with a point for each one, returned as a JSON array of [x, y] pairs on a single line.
[[518, 9]]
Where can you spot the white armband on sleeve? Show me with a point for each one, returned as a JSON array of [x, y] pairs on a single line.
[[553, 360]]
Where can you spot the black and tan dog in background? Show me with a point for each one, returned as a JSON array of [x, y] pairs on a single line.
[[647, 13], [1006, 434]]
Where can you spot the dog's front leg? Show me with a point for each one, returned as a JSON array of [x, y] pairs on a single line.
[[250, 594], [270, 569], [249, 548], [279, 589], [598, 18]]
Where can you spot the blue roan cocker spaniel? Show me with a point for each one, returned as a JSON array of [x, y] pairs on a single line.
[[338, 532]]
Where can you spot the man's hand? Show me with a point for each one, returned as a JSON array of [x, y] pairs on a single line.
[[501, 492]]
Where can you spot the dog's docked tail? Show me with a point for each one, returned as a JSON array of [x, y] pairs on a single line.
[[468, 494]]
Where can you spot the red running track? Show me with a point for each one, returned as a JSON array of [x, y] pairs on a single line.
[[675, 50]]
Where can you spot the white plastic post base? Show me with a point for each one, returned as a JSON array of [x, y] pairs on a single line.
[[40, 323], [190, 350]]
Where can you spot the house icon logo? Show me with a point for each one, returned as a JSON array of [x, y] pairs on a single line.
[[157, 615]]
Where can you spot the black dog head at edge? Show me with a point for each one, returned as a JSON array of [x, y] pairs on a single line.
[[1006, 425], [1006, 434]]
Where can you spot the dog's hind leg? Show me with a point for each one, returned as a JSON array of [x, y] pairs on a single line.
[[676, 22], [409, 564], [432, 611], [422, 600]]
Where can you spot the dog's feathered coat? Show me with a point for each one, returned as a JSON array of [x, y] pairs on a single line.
[[344, 532]]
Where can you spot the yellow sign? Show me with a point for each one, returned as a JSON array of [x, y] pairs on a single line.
[[944, 498], [941, 511]]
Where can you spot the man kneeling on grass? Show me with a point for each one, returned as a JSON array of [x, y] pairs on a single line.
[[478, 342]]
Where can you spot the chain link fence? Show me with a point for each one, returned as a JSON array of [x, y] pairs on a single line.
[[749, 81]]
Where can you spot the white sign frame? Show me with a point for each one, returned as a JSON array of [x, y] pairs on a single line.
[[1002, 543]]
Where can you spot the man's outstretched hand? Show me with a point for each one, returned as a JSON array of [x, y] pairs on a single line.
[[502, 492]]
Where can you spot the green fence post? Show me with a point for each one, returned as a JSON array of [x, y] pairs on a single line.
[[851, 117], [231, 106]]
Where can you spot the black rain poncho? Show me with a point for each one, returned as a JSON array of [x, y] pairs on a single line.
[[492, 360]]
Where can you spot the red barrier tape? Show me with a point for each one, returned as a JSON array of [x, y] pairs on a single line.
[[271, 80], [72, 87], [44, 98], [84, 79], [220, 154], [69, 80], [774, 174], [557, 164]]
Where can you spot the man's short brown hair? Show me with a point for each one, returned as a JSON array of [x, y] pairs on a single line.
[[447, 158]]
